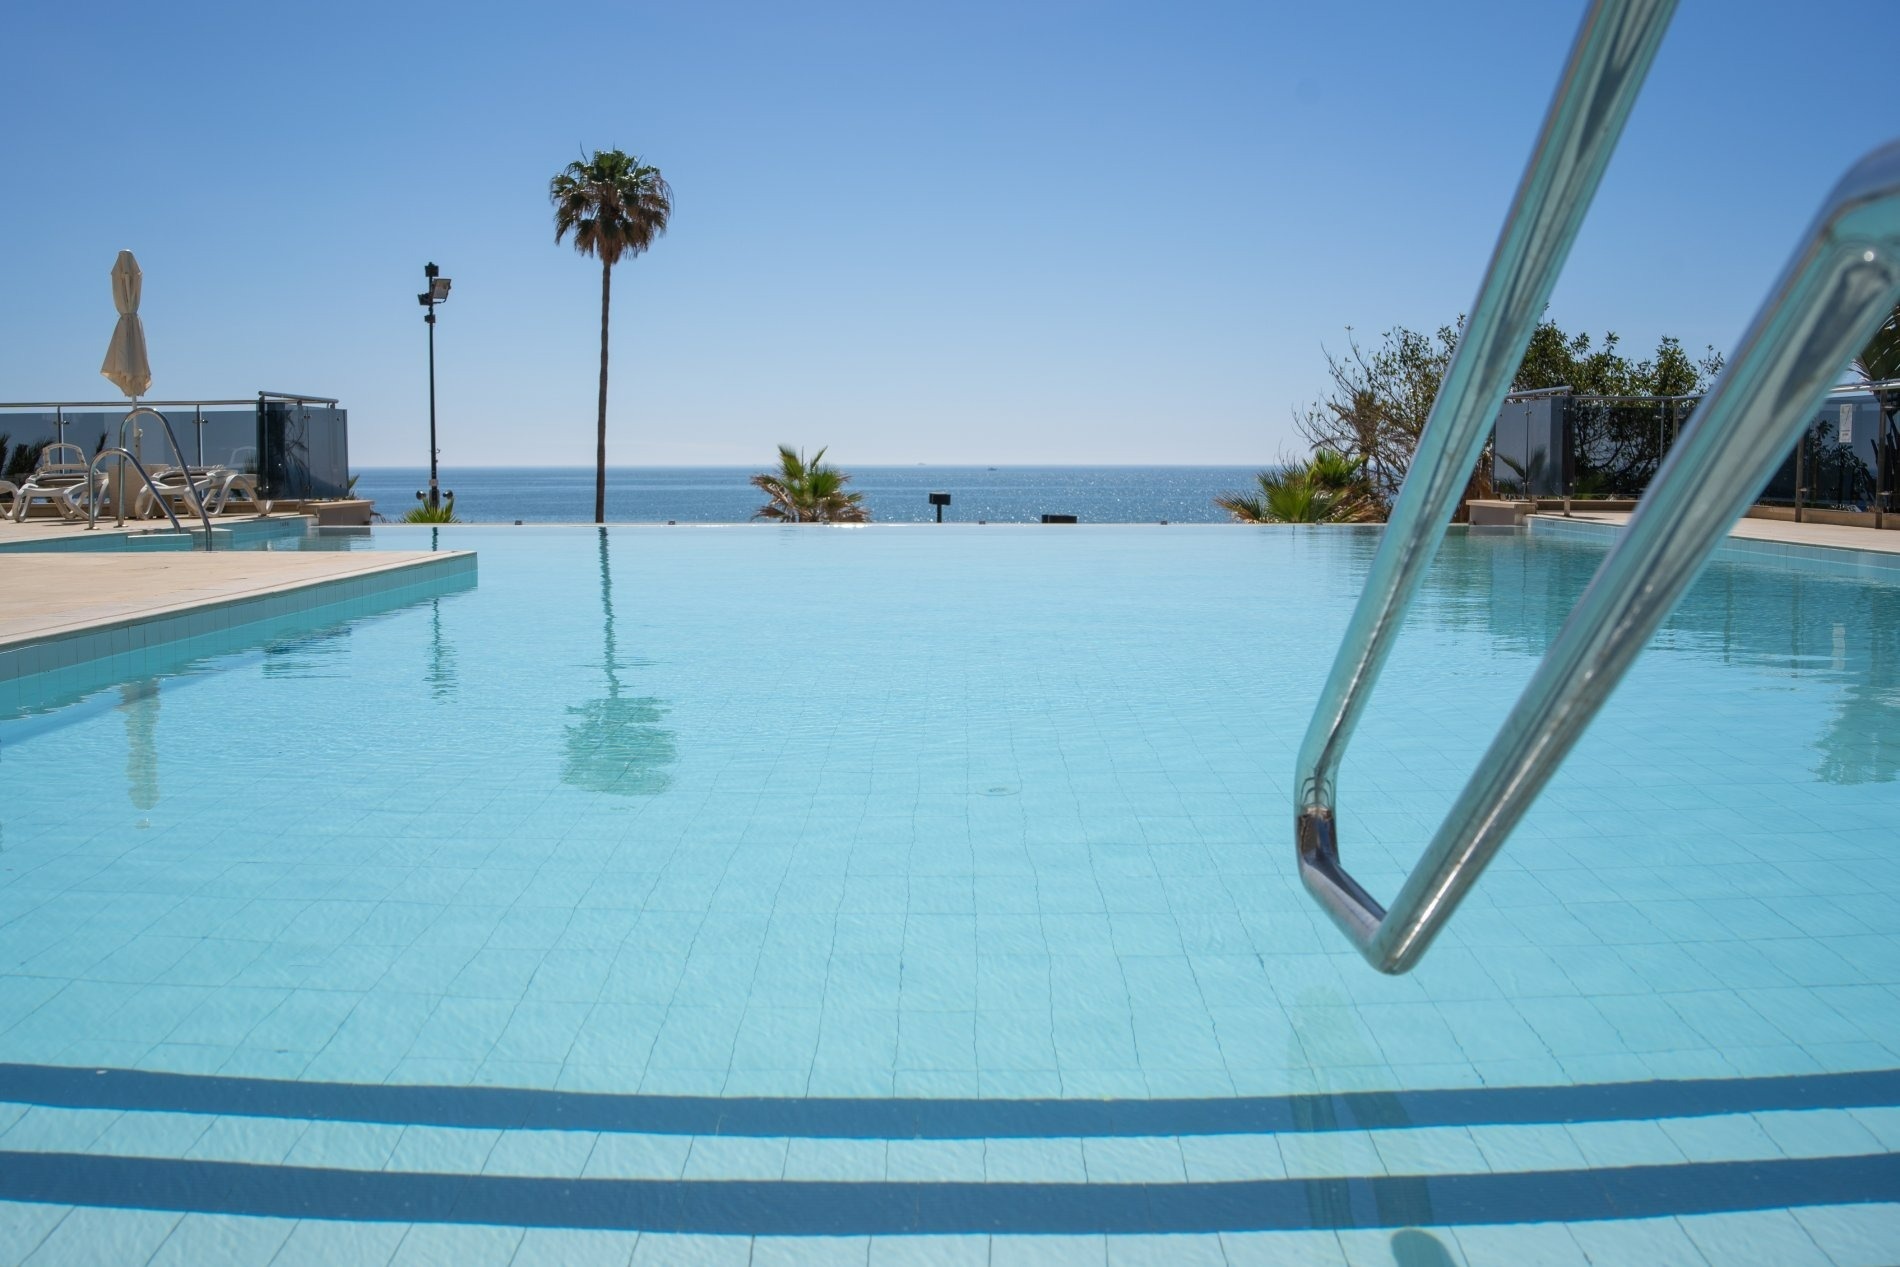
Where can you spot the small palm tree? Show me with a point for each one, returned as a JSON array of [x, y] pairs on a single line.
[[802, 492], [427, 514], [1328, 488], [616, 207]]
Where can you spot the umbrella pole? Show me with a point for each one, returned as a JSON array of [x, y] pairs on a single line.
[[118, 490]]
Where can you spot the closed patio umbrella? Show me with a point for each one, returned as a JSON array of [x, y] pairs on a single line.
[[131, 372], [126, 363]]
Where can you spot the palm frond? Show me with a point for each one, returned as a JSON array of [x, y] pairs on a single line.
[[1333, 469], [1879, 361], [805, 490], [1244, 507], [427, 514], [613, 205], [1328, 487]]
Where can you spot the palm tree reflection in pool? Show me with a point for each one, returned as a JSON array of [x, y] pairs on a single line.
[[441, 674], [1862, 742], [617, 745]]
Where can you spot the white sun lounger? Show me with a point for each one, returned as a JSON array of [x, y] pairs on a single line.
[[237, 490], [64, 486], [222, 489]]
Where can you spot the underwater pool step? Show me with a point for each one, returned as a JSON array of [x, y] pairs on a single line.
[[531, 1158], [532, 1152], [402, 1104], [791, 1208]]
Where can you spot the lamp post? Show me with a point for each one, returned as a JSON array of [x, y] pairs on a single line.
[[438, 293]]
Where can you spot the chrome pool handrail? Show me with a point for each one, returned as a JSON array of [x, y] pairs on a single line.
[[123, 454], [1608, 61], [1841, 283]]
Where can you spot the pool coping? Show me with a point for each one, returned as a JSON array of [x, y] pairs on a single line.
[[1808, 557], [47, 536], [381, 576]]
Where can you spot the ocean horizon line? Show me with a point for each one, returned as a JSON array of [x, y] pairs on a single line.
[[864, 466], [725, 494]]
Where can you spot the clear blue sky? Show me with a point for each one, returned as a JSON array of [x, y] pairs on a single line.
[[1013, 232]]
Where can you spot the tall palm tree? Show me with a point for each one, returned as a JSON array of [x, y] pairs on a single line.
[[616, 207], [1328, 488], [808, 492]]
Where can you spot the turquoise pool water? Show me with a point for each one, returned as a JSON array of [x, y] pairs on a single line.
[[907, 894]]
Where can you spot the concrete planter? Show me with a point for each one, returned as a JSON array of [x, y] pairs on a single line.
[[341, 514], [1498, 514]]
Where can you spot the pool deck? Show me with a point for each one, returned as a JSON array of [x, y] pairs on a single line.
[[59, 594], [1827, 536]]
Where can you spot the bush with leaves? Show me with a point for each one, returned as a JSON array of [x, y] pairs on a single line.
[[1381, 396]]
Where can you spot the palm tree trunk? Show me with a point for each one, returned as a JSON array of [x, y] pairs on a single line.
[[600, 448]]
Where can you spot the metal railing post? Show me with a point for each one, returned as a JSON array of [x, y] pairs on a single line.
[[1800, 472], [263, 446], [1881, 425]]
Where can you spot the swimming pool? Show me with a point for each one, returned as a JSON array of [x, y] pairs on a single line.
[[916, 894]]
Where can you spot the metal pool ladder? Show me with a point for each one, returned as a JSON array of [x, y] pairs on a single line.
[[1843, 279], [123, 455]]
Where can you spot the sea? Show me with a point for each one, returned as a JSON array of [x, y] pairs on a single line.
[[894, 494]]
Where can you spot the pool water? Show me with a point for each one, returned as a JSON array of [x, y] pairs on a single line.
[[916, 894]]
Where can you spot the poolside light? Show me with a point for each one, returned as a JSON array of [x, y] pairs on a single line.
[[940, 500], [438, 293]]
